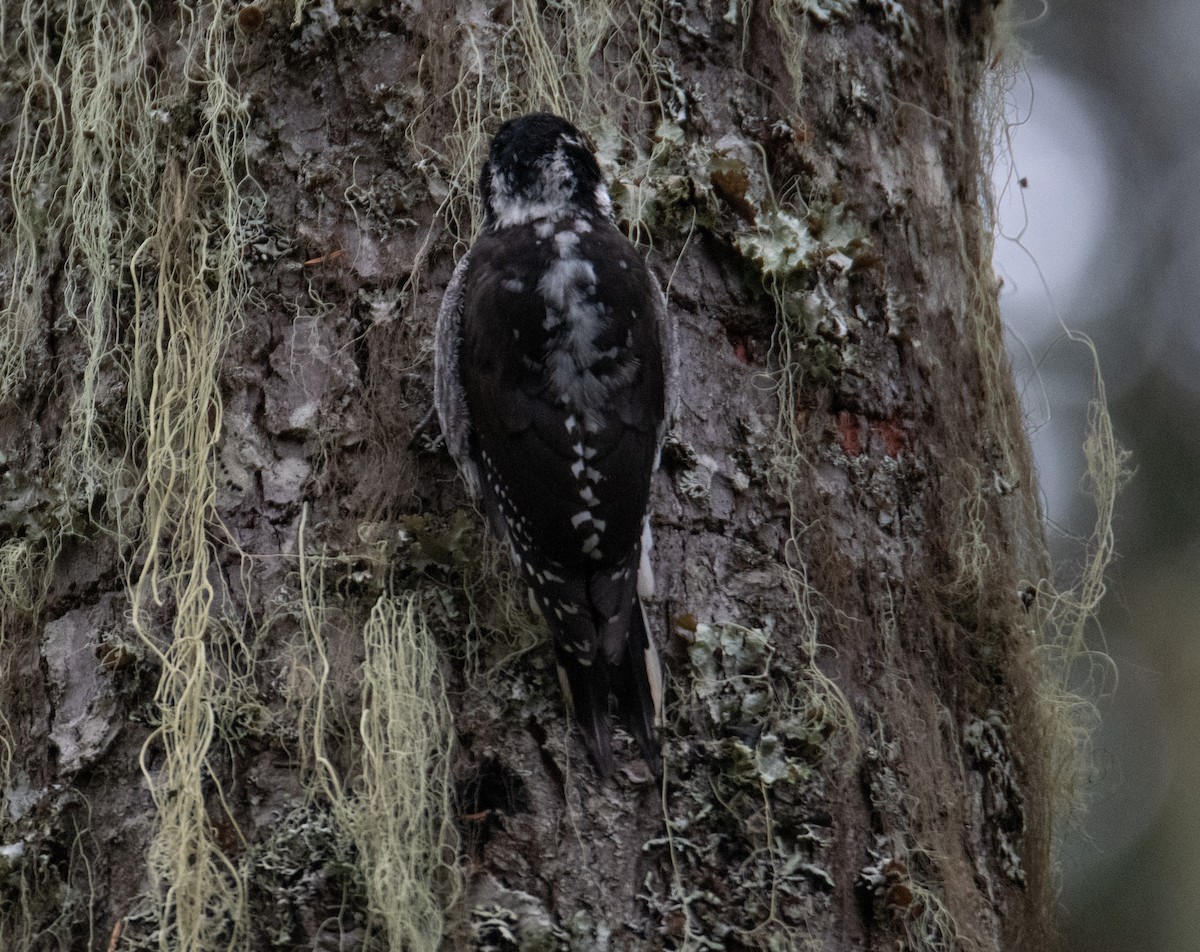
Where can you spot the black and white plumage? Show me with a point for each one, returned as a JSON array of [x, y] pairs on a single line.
[[554, 376]]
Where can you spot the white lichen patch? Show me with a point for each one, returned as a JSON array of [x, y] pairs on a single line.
[[826, 10], [781, 244], [784, 242], [897, 16], [728, 667]]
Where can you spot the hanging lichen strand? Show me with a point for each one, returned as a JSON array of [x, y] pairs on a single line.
[[81, 175], [396, 845], [190, 290], [1060, 617], [400, 814]]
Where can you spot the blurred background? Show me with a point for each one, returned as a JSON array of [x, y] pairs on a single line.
[[1102, 236]]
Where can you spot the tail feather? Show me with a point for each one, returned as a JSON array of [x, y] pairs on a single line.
[[637, 683], [635, 680], [586, 688]]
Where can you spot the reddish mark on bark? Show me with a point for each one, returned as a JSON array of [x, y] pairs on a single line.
[[731, 184], [332, 256], [226, 835], [850, 433], [857, 435], [891, 435], [741, 347]]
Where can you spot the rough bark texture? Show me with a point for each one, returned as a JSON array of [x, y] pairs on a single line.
[[203, 546]]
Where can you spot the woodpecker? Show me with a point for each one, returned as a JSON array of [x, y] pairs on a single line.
[[554, 380]]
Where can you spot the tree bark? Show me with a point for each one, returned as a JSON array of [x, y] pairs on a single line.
[[265, 681]]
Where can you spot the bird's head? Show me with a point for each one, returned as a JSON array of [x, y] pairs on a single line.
[[540, 167]]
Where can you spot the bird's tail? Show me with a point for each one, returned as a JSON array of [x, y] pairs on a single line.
[[635, 680], [586, 688]]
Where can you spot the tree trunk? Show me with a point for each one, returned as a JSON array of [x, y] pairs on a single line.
[[265, 681]]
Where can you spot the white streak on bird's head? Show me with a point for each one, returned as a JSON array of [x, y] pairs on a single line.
[[540, 167]]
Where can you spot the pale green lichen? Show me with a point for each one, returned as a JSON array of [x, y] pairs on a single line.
[[784, 244], [767, 737], [306, 870]]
